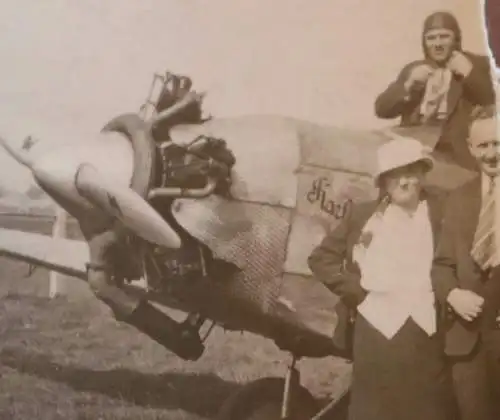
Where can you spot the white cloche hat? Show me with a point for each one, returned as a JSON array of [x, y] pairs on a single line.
[[401, 151]]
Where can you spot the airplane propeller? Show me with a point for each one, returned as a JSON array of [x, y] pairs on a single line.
[[126, 205], [81, 184]]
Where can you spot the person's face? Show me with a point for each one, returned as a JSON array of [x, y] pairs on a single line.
[[485, 146], [404, 184], [439, 44]]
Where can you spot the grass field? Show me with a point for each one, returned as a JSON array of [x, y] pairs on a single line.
[[67, 358]]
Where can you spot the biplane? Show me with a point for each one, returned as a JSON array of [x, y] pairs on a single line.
[[259, 192]]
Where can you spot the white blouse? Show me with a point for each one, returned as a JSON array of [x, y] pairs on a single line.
[[395, 270]]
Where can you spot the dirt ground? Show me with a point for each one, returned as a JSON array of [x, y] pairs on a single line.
[[69, 359]]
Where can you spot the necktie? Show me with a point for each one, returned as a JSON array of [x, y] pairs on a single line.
[[484, 249]]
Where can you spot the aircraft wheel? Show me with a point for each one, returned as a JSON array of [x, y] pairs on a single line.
[[262, 400]]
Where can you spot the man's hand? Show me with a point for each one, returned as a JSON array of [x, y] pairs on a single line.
[[460, 64], [465, 303], [418, 77]]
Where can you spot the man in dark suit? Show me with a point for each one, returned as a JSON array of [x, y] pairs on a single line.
[[441, 89], [466, 279]]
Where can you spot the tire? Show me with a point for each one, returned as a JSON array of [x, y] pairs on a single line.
[[262, 400]]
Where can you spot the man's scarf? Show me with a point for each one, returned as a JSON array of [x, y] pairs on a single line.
[[435, 101]]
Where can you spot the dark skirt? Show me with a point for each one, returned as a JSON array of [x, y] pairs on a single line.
[[404, 378]]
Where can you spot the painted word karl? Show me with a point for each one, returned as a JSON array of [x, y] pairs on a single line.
[[317, 194]]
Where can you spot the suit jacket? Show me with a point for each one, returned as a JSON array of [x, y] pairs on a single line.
[[331, 262], [454, 267], [465, 93]]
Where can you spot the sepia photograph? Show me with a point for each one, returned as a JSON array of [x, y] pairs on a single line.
[[249, 210]]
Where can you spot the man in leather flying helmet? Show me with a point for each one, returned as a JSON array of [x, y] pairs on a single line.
[[441, 89]]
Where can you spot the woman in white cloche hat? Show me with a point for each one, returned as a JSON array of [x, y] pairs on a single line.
[[386, 247]]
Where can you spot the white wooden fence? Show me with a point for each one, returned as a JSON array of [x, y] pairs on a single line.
[[59, 230]]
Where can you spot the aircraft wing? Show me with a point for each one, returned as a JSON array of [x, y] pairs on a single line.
[[66, 256]]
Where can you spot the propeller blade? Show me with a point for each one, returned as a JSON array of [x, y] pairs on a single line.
[[127, 206]]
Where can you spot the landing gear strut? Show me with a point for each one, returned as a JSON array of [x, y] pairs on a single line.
[[271, 399], [281, 399]]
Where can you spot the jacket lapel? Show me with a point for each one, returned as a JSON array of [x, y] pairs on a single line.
[[454, 94], [467, 220], [434, 207], [473, 198], [363, 214]]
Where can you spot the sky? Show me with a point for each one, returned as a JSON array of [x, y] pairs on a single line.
[[68, 66]]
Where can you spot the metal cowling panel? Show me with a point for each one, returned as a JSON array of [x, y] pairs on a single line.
[[261, 297]]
